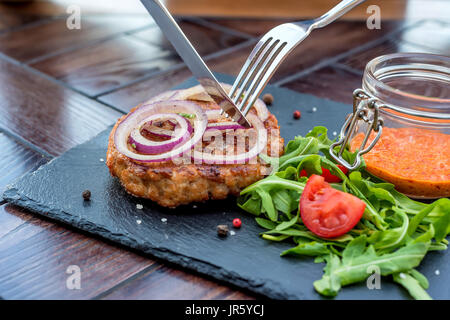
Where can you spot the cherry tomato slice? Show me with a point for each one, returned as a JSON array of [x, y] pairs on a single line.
[[331, 178], [328, 212]]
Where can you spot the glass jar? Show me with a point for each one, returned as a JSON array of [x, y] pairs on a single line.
[[401, 123]]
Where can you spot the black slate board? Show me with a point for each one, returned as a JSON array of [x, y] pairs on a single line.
[[188, 238]]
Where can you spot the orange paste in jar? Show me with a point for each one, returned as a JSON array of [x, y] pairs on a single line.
[[416, 161]]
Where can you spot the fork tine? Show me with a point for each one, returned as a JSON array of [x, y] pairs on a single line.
[[249, 63], [261, 79], [254, 70]]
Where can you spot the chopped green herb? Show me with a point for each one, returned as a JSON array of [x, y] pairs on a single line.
[[187, 115], [133, 145]]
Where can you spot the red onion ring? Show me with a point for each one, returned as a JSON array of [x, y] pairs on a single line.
[[142, 113], [198, 93], [161, 133], [146, 146], [261, 142], [224, 126]]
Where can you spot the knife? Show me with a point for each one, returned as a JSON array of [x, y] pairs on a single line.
[[193, 60]]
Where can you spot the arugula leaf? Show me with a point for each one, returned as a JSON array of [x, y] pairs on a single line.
[[421, 279], [330, 284], [312, 249], [442, 225], [394, 233], [439, 208], [357, 258], [266, 224], [286, 224], [392, 237], [412, 285], [275, 238], [286, 201]]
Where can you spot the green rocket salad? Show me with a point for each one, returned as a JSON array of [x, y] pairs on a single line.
[[393, 236]]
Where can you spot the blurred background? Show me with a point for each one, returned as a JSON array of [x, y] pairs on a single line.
[[392, 9]]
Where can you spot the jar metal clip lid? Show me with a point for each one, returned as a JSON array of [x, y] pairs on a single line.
[[367, 109]]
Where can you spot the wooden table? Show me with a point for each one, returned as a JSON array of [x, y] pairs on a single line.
[[61, 87]]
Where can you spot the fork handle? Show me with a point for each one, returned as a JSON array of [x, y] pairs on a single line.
[[339, 10]]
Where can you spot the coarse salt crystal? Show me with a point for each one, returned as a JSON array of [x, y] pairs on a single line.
[[314, 109], [138, 221], [437, 272], [139, 206], [402, 275], [101, 159], [194, 206], [164, 220], [232, 233], [334, 133]]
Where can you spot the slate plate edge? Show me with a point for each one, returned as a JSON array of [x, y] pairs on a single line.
[[258, 286]]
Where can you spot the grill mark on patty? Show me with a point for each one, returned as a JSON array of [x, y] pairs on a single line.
[[171, 184]]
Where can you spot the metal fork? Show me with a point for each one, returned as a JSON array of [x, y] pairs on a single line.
[[272, 49]]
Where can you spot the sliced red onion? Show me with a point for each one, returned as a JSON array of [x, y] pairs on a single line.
[[161, 133], [243, 157], [261, 109], [224, 126], [194, 93], [198, 93], [260, 106], [213, 114], [136, 118], [144, 145]]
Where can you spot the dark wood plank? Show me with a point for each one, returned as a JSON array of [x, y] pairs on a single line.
[[54, 36], [16, 160], [285, 8], [326, 43], [338, 37], [329, 82], [104, 66], [101, 67], [35, 254], [205, 40], [359, 60], [128, 97], [132, 95], [167, 283], [11, 17], [11, 220], [45, 113], [24, 8], [252, 26]]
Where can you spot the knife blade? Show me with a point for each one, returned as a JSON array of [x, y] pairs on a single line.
[[193, 60]]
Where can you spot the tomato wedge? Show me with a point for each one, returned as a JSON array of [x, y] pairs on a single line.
[[329, 177], [328, 212]]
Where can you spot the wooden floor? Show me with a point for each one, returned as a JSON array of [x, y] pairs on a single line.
[[61, 87]]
